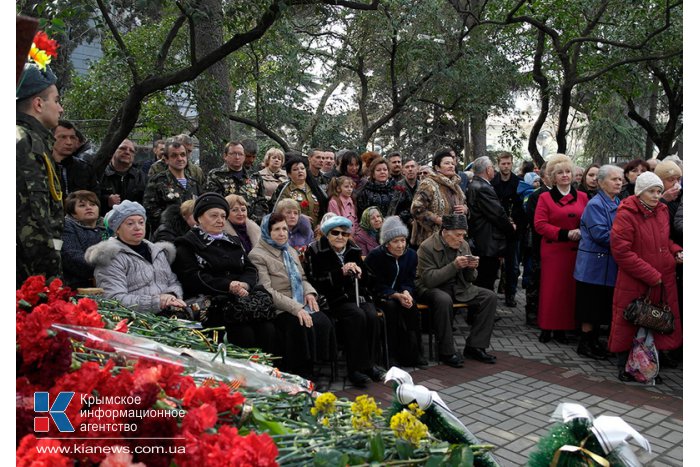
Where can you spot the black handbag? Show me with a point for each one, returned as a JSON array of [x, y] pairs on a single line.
[[230, 309], [656, 317]]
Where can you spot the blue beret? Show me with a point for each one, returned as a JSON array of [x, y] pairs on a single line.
[[335, 221], [34, 80]]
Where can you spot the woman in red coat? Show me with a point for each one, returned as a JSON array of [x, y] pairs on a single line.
[[646, 257], [557, 219]]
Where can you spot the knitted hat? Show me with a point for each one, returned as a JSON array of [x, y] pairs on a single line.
[[647, 180], [667, 169], [530, 178], [454, 222], [330, 222], [121, 211], [34, 80], [392, 228], [208, 201]]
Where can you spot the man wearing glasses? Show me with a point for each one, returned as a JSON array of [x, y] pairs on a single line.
[[232, 178]]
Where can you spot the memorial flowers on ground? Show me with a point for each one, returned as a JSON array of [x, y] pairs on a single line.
[[143, 381]]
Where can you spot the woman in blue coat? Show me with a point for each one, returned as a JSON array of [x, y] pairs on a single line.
[[392, 267], [595, 271]]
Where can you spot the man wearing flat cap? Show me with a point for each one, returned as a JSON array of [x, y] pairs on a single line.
[[446, 272], [39, 197]]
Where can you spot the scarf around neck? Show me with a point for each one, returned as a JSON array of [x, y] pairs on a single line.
[[289, 264], [366, 224]]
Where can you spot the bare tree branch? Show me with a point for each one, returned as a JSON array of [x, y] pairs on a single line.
[[258, 126], [130, 61], [602, 71], [165, 48]]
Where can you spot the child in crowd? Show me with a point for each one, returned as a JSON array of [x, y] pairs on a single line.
[[341, 202]]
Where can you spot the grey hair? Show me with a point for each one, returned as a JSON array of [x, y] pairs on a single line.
[[605, 171], [183, 139], [481, 164]]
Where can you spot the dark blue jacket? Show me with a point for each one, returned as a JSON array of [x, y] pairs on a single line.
[[390, 275], [594, 261]]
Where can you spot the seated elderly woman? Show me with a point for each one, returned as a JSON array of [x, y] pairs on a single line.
[[367, 232], [132, 270], [239, 225], [213, 263], [301, 234], [393, 270], [335, 269], [304, 334], [82, 228], [175, 222]]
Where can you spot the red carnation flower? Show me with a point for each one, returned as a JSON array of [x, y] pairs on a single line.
[[42, 42], [199, 419], [28, 454], [304, 204]]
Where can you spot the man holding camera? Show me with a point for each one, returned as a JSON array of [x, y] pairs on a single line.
[[446, 270]]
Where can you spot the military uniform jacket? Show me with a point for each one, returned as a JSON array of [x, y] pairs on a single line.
[[250, 186], [39, 216], [164, 190]]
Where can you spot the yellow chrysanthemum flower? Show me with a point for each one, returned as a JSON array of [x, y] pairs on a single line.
[[407, 427], [40, 57], [324, 404], [415, 410], [363, 410]]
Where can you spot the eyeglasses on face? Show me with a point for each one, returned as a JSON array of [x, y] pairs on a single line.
[[337, 233]]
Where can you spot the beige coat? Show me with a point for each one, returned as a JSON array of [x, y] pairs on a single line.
[[274, 276], [251, 227]]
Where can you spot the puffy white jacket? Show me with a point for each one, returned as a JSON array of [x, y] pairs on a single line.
[[127, 276]]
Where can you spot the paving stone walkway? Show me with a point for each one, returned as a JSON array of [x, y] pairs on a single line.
[[509, 404]]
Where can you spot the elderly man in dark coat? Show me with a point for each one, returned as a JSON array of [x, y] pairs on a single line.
[[489, 224], [446, 270]]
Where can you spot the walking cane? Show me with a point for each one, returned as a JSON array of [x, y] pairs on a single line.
[[357, 291]]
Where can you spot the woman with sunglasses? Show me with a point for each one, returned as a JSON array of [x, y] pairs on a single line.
[[334, 265]]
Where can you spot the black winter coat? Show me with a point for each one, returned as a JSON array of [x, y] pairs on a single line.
[[507, 193], [76, 174], [324, 272], [375, 194], [172, 226], [489, 225], [207, 266], [130, 185]]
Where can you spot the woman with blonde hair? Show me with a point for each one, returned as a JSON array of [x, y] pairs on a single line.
[[557, 219], [239, 225], [273, 174]]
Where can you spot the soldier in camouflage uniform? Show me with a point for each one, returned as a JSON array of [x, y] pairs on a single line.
[[39, 198], [173, 186], [232, 178], [191, 170]]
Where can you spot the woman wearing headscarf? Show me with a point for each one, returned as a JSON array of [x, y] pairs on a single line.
[[646, 259], [304, 333], [213, 263], [335, 267], [393, 270], [367, 233], [131, 269]]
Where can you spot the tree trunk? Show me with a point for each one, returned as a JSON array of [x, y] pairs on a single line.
[[653, 111], [541, 79], [478, 124], [212, 89], [566, 90]]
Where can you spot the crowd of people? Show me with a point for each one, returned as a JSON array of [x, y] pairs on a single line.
[[297, 256]]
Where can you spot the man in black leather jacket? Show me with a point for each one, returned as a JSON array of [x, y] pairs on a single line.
[[489, 224]]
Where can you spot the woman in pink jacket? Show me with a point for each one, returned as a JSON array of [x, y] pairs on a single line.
[[646, 258]]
